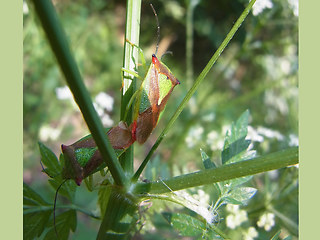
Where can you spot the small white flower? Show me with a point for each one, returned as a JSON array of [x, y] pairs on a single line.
[[266, 221], [25, 7], [106, 120], [232, 208], [209, 117], [260, 5], [269, 133], [294, 4], [285, 65], [254, 135], [63, 93], [105, 101], [48, 133], [293, 140], [277, 102], [250, 234], [237, 217], [214, 140]]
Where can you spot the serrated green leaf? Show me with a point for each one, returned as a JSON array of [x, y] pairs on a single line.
[[30, 197], [239, 129], [185, 224], [235, 142], [233, 183], [65, 223], [242, 156], [34, 223], [35, 217], [239, 195], [208, 164], [234, 149], [49, 159], [210, 234]]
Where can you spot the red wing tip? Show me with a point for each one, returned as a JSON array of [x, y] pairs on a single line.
[[78, 181]]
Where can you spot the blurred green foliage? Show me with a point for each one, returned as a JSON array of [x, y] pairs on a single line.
[[257, 71]]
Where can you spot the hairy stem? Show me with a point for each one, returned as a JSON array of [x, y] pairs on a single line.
[[272, 161]]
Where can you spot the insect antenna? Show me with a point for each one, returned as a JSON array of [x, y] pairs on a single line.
[[44, 170], [158, 28], [54, 208]]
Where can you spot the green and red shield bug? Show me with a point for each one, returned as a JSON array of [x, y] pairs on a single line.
[[150, 100]]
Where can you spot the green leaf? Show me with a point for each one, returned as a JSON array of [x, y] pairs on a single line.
[[239, 195], [236, 150], [208, 164], [34, 221], [30, 197], [235, 142], [238, 130], [233, 183], [185, 224], [64, 223], [49, 159]]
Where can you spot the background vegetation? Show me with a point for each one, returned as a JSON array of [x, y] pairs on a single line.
[[257, 71]]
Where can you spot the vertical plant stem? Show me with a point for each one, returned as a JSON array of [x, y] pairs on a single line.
[[117, 203], [189, 40], [59, 44], [130, 62], [194, 87]]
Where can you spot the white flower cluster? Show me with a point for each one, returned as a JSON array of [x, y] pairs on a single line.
[[49, 133], [236, 217], [266, 221], [250, 234], [104, 103], [260, 5]]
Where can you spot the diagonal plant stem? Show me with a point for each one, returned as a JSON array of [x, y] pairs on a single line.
[[272, 161], [194, 87], [59, 44]]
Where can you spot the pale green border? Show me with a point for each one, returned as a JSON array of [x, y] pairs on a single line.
[[11, 119], [309, 119]]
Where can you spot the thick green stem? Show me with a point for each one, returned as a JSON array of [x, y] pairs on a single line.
[[59, 44], [262, 164], [130, 62], [194, 88]]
